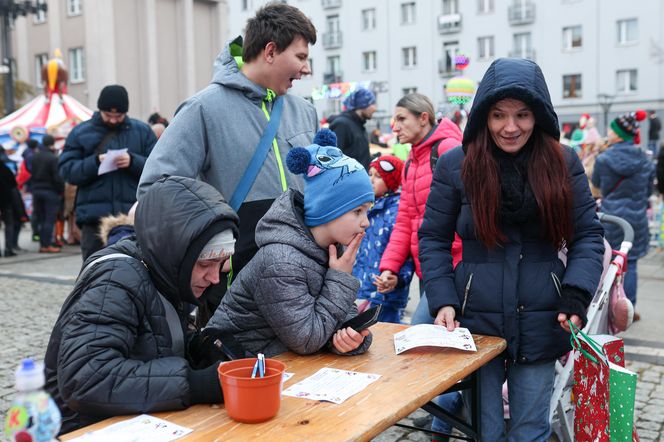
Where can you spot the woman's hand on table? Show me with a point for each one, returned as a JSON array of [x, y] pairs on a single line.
[[445, 317]]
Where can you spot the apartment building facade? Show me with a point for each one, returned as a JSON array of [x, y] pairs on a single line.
[[162, 51], [598, 56]]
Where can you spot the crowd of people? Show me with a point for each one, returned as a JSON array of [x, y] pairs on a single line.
[[239, 221]]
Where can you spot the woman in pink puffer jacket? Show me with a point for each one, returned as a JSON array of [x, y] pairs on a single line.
[[414, 122]]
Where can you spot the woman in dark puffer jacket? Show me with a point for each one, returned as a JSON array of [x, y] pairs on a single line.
[[516, 197]]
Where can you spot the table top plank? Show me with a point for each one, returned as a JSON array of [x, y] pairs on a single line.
[[407, 382]]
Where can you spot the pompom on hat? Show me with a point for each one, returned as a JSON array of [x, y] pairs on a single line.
[[361, 98], [389, 168], [333, 182], [627, 126]]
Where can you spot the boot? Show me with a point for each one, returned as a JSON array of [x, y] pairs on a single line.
[[8, 253]]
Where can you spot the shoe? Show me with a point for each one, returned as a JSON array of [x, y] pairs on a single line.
[[35, 237], [58, 243], [49, 249], [20, 250], [423, 422], [8, 253], [636, 317]]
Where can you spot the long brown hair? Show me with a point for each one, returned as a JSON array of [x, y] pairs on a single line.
[[548, 178]]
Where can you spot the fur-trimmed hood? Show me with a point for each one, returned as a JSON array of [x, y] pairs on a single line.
[[108, 223]]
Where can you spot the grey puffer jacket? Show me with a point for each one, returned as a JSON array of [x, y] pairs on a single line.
[[113, 350], [287, 298]]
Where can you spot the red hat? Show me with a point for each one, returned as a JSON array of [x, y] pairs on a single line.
[[389, 168]]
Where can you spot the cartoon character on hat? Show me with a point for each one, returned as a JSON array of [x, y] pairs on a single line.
[[333, 182], [385, 172]]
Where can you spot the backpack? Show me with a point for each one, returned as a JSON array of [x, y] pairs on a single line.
[[433, 158]]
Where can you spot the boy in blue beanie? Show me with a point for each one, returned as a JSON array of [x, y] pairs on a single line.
[[298, 289]]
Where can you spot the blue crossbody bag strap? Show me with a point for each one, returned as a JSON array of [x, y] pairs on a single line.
[[264, 145]]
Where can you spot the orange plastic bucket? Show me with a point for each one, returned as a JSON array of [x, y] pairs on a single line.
[[250, 400]]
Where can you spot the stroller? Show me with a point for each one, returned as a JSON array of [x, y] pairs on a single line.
[[561, 414]]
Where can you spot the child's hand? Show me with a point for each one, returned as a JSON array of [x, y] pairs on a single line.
[[346, 261], [386, 282], [347, 339]]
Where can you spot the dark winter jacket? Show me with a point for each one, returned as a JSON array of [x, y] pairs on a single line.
[[382, 217], [625, 176], [513, 290], [45, 174], [287, 298], [7, 185], [113, 349], [113, 192], [352, 137]]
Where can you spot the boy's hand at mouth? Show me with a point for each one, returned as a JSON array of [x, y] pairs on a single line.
[[346, 261]]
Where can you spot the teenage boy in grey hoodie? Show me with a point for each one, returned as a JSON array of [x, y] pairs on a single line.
[[214, 134]]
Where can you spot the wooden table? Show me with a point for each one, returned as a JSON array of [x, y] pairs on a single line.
[[408, 381]]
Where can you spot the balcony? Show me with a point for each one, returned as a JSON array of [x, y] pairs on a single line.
[[444, 70], [329, 4], [333, 77], [521, 14], [523, 53], [449, 23], [332, 40]]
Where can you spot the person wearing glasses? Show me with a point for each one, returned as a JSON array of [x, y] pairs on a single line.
[[392, 292], [86, 147]]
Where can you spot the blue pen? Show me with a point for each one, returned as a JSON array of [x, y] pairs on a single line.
[[261, 364], [253, 372]]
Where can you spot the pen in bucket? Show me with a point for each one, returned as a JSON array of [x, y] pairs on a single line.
[[261, 364], [255, 370]]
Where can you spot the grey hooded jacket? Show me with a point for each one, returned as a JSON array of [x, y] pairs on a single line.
[[213, 137], [287, 298]]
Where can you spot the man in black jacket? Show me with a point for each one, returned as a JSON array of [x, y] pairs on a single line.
[[121, 344], [349, 126], [47, 189]]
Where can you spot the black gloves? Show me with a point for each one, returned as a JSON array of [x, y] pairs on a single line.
[[212, 345], [574, 302]]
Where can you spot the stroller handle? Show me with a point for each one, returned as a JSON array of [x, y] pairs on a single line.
[[626, 227]]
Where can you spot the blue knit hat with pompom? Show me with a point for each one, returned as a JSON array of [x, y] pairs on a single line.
[[333, 182]]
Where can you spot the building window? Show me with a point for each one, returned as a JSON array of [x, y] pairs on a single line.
[[626, 81], [76, 65], [450, 7], [522, 46], [409, 57], [572, 38], [450, 49], [332, 23], [40, 15], [484, 6], [369, 61], [333, 69], [408, 13], [572, 86], [245, 5], [408, 90], [40, 62], [627, 31], [485, 48], [74, 7], [368, 19], [311, 66]]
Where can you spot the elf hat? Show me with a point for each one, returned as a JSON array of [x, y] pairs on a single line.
[[627, 126], [389, 168], [333, 182]]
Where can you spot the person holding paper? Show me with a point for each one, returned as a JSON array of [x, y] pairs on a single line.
[[517, 198], [100, 194], [298, 289], [121, 344]]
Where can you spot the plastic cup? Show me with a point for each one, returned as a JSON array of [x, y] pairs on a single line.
[[250, 400]]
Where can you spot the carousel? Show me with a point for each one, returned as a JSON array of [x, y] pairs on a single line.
[[54, 112]]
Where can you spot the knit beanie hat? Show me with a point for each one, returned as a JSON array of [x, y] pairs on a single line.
[[333, 182], [389, 168], [361, 98], [113, 98], [221, 245], [627, 126]]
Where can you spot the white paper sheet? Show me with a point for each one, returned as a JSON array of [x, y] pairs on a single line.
[[331, 384], [433, 335], [108, 164], [143, 428]]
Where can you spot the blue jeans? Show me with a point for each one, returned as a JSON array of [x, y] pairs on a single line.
[[653, 146], [630, 281], [530, 387], [47, 204], [450, 402]]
